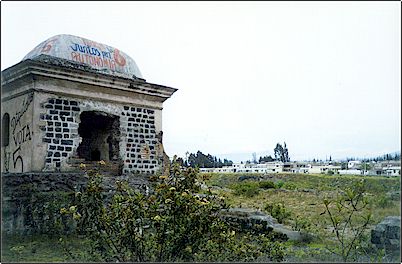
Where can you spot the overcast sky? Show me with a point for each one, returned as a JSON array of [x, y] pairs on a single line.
[[324, 77]]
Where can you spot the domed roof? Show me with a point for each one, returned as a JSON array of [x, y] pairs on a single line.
[[80, 50]]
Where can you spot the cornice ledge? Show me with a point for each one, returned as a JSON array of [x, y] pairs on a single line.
[[88, 77]]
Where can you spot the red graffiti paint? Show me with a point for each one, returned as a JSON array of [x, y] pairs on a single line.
[[48, 45], [99, 56], [94, 61], [118, 58]]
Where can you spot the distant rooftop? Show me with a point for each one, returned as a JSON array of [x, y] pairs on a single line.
[[97, 56]]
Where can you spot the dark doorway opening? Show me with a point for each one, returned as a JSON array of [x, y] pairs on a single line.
[[95, 155], [100, 136]]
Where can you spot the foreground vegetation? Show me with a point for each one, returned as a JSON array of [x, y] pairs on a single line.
[[171, 223], [179, 222], [302, 202]]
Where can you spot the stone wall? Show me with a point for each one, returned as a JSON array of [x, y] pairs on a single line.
[[248, 218], [141, 150], [141, 141], [16, 155], [31, 201], [61, 130], [387, 234]]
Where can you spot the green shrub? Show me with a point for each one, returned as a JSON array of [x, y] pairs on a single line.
[[277, 211], [173, 223], [301, 224], [266, 184], [248, 189], [289, 186], [42, 212], [383, 201], [279, 184]]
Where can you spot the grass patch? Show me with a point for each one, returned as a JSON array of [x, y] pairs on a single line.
[[318, 182], [247, 189], [266, 185], [40, 248], [302, 195]]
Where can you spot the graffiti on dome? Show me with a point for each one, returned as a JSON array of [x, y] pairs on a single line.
[[98, 56]]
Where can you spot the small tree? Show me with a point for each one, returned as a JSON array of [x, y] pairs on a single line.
[[285, 153], [254, 157], [349, 216], [281, 153], [278, 150], [366, 166]]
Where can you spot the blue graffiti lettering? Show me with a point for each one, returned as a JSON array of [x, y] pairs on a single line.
[[81, 48], [75, 47], [106, 54], [86, 49]]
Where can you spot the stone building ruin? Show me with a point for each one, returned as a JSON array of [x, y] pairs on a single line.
[[71, 101]]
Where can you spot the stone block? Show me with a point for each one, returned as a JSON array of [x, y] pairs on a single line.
[[66, 142], [377, 236], [387, 233], [392, 231], [392, 244]]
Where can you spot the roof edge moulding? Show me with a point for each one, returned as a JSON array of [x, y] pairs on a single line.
[[100, 57]]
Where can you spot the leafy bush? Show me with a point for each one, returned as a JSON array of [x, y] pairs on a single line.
[[266, 184], [42, 212], [173, 223], [383, 201], [279, 184], [289, 186], [248, 189], [277, 211], [301, 224]]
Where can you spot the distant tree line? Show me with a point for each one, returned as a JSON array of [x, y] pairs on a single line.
[[396, 156], [265, 159], [385, 157], [201, 160]]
